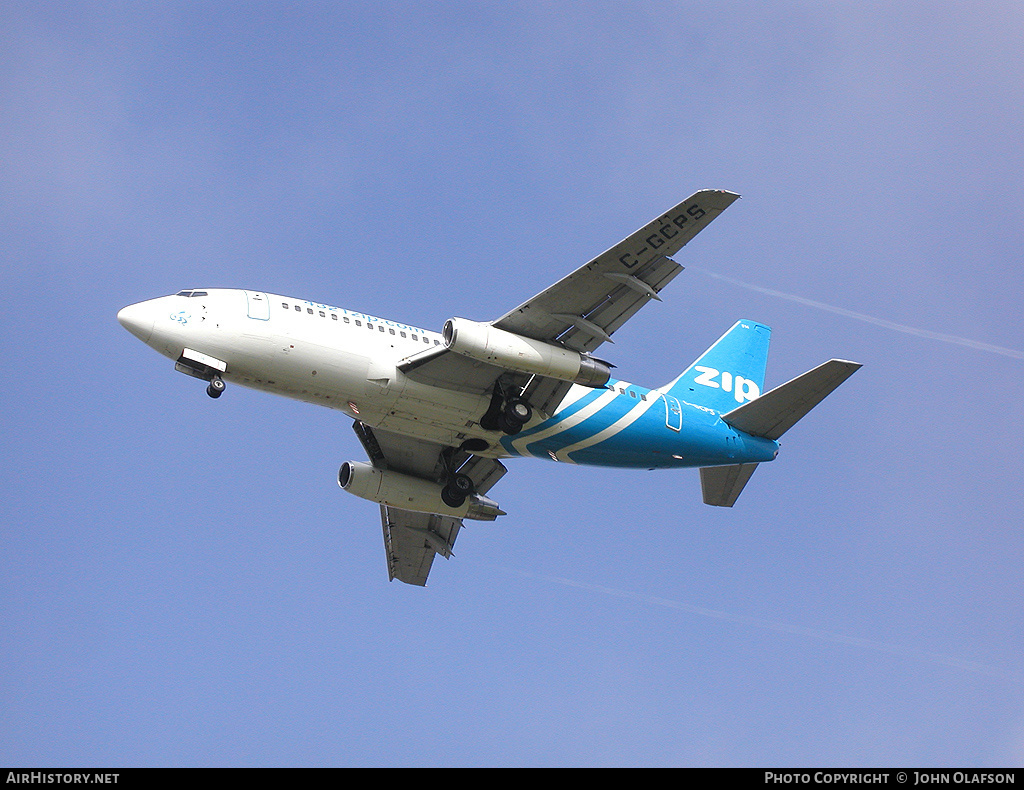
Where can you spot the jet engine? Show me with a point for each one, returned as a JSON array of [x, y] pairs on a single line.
[[411, 493], [524, 354]]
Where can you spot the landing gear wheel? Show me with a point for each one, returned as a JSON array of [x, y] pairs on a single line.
[[458, 488], [507, 426], [462, 484], [514, 416], [216, 388], [452, 499], [518, 411]]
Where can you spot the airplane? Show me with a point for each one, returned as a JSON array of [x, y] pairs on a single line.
[[438, 412]]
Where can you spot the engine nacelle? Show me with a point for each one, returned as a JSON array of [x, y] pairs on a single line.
[[410, 493], [524, 354]]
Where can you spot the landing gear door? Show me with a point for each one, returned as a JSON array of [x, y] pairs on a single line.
[[259, 305]]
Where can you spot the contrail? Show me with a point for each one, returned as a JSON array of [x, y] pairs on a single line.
[[910, 330], [786, 628]]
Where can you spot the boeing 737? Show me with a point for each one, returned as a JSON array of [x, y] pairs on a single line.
[[438, 412]]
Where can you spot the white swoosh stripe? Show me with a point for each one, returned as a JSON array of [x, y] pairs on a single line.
[[564, 425], [622, 423], [575, 392]]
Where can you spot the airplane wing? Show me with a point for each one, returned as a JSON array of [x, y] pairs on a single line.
[[412, 539], [583, 310]]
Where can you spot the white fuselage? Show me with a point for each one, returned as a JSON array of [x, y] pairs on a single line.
[[314, 352]]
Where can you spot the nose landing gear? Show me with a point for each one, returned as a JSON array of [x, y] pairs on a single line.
[[216, 387], [200, 366]]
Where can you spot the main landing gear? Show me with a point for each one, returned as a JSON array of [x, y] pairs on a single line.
[[455, 491], [514, 416], [459, 486], [216, 387], [506, 414]]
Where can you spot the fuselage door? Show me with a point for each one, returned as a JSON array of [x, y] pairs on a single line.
[[673, 413], [259, 305]]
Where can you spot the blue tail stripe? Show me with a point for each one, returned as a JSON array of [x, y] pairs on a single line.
[[729, 373]]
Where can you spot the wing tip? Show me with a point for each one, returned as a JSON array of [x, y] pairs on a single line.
[[716, 199], [726, 193]]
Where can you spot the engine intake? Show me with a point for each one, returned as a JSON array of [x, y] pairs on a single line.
[[486, 343], [410, 493]]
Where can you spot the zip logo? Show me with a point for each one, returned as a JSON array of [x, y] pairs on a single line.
[[742, 389]]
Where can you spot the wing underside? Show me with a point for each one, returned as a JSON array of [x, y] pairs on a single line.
[[412, 539]]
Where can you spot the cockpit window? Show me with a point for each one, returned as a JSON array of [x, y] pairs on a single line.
[[191, 293]]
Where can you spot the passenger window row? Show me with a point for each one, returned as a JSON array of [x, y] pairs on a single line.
[[346, 319], [631, 393]]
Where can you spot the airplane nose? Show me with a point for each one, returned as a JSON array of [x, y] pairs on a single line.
[[137, 319]]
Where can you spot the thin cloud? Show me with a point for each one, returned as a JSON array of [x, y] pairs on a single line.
[[909, 330], [787, 628]]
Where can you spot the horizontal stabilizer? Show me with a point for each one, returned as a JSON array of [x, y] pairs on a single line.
[[721, 485], [778, 410]]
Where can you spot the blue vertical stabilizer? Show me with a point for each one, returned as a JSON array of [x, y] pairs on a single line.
[[728, 374]]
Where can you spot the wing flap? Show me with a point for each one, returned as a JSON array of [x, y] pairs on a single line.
[[412, 539]]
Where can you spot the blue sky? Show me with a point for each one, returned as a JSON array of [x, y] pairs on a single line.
[[185, 584]]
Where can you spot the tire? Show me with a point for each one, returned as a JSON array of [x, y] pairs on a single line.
[[461, 484], [509, 427], [518, 411], [451, 498], [457, 489]]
